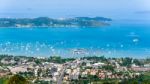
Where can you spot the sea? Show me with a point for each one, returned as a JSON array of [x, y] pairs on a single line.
[[123, 38]]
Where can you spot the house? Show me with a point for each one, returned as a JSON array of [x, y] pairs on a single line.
[[18, 69]]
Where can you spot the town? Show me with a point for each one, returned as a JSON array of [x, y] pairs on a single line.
[[85, 70]]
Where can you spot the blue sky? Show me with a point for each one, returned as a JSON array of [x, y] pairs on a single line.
[[120, 9]]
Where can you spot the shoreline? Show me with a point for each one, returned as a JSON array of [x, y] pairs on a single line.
[[56, 27], [46, 57]]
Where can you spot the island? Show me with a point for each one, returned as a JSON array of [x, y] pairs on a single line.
[[51, 22]]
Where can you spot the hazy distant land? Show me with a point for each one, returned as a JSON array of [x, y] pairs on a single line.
[[50, 22]]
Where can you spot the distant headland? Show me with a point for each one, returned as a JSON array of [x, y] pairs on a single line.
[[51, 22]]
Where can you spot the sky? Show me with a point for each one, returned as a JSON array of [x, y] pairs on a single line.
[[117, 9]]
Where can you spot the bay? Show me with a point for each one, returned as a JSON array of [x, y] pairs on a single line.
[[120, 39]]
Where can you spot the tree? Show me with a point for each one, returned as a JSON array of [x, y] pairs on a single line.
[[17, 79], [137, 62], [126, 62], [108, 67]]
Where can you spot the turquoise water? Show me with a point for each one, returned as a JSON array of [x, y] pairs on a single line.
[[118, 40]]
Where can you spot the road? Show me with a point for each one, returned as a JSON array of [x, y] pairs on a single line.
[[60, 79]]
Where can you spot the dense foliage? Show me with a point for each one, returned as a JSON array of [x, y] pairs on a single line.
[[17, 79]]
